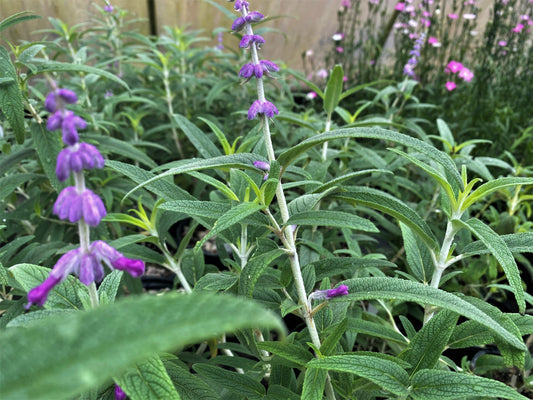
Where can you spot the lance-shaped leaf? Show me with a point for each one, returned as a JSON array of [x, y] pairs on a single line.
[[400, 289], [446, 385], [199, 139], [384, 372], [333, 90], [502, 253], [11, 101], [453, 176], [101, 343], [314, 383], [338, 219], [516, 242], [493, 186], [240, 384]]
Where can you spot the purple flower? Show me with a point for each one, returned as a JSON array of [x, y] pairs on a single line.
[[262, 107], [108, 8], [88, 266], [73, 206], [254, 16], [249, 70], [119, 393], [342, 290], [239, 4], [262, 165], [268, 66], [64, 95], [238, 24], [247, 40], [78, 157], [69, 124]]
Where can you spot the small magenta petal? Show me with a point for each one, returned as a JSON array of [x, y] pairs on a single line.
[[134, 267], [262, 165], [119, 393], [342, 290]]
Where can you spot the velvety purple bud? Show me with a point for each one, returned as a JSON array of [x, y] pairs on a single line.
[[104, 251], [78, 157], [269, 109], [67, 95], [268, 66], [246, 71], [239, 4], [238, 24], [108, 8], [262, 165], [50, 102], [39, 294], [342, 290], [254, 16], [414, 53], [93, 208], [119, 393], [68, 205], [63, 165], [54, 121], [245, 41], [92, 158], [412, 61], [86, 269], [258, 70], [254, 109], [134, 267]]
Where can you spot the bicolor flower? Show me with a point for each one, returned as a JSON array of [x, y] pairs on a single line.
[[262, 107], [87, 266], [72, 205], [77, 157], [342, 290]]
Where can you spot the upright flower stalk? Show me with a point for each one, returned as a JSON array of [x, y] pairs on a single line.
[[264, 109], [79, 205]]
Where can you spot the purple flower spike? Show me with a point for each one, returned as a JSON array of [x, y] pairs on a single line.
[[63, 95], [78, 157], [262, 107], [119, 393], [262, 165], [254, 16], [73, 206], [238, 24], [342, 290]]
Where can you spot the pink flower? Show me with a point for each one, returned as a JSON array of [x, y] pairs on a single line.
[[453, 16], [450, 86], [311, 95], [432, 40], [518, 28], [502, 43], [454, 67], [346, 3], [322, 73], [465, 74], [400, 7], [339, 49]]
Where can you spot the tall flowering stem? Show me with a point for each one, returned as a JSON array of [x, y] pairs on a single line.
[[262, 108], [79, 205]]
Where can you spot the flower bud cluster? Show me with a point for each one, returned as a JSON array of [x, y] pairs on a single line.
[[409, 68], [78, 204], [257, 68]]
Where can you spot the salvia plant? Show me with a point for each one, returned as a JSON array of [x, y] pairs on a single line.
[[276, 245]]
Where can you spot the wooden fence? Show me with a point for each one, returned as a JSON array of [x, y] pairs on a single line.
[[307, 24]]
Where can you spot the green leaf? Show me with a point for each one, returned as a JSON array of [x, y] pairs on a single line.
[[516, 242], [218, 132], [17, 18], [110, 286], [9, 183], [48, 145], [445, 134], [11, 100], [215, 282], [188, 385], [329, 267], [288, 156], [122, 148], [493, 186], [289, 351], [314, 383], [446, 385], [338, 219], [56, 66], [32, 317], [206, 209], [17, 155], [147, 381], [199, 140], [426, 347], [333, 90], [400, 289], [254, 269], [383, 372], [328, 345], [244, 161], [418, 257], [63, 295], [388, 204], [502, 253], [225, 190], [233, 216], [162, 188], [374, 329], [101, 343], [240, 384]]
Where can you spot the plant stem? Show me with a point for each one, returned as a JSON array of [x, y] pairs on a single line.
[[170, 108], [93, 295]]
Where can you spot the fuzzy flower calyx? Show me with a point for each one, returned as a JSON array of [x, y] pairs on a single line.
[[77, 157], [73, 205], [262, 107]]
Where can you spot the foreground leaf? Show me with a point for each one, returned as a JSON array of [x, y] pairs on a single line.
[[98, 344]]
